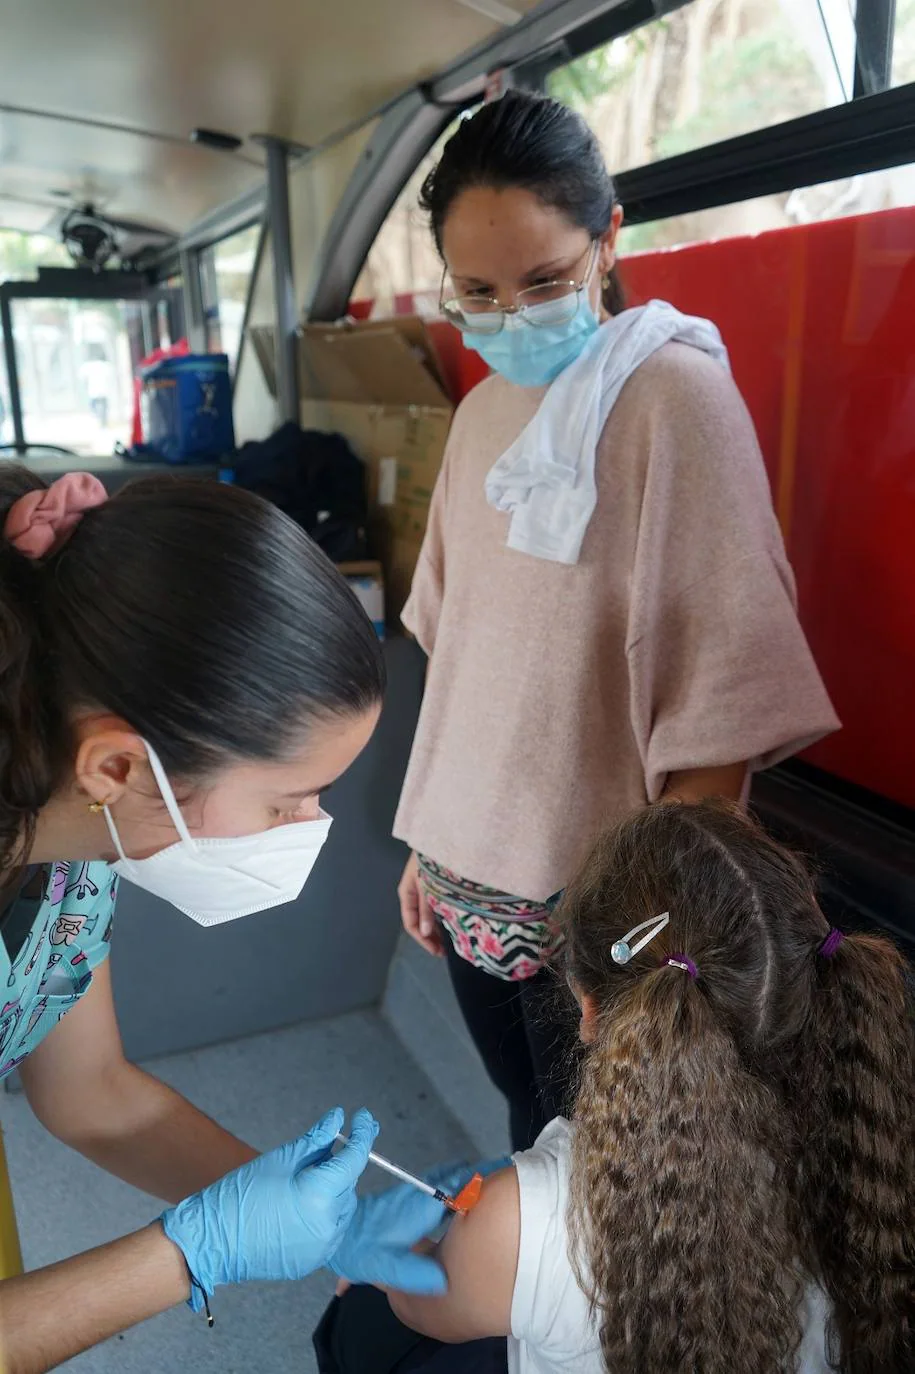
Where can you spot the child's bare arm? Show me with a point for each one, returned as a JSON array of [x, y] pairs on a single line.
[[480, 1256]]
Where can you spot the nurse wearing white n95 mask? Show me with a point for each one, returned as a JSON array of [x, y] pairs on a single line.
[[213, 880], [182, 673]]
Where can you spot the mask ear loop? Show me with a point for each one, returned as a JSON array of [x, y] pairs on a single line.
[[168, 796], [171, 806], [113, 832], [622, 951]]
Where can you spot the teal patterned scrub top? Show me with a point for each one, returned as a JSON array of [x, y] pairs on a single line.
[[54, 933]]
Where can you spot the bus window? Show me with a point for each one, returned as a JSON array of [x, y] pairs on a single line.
[[884, 190], [225, 274], [715, 70], [76, 361], [75, 357], [402, 272], [6, 418], [904, 43], [710, 71], [22, 254]]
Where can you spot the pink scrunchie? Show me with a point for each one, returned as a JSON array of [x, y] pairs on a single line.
[[41, 522]]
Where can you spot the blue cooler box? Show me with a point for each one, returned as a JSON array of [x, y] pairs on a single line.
[[186, 407]]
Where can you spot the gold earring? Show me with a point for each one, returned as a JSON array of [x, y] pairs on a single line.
[[97, 807]]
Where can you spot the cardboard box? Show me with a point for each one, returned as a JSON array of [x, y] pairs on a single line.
[[379, 384], [367, 582]]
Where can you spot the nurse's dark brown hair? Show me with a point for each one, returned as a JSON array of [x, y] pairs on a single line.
[[746, 1131], [539, 145], [196, 612]]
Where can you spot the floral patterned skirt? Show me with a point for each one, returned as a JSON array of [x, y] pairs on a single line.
[[503, 935]]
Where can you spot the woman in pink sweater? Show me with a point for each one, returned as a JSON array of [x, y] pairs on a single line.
[[603, 591]]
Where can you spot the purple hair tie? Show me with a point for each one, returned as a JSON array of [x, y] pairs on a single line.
[[684, 962], [831, 943]]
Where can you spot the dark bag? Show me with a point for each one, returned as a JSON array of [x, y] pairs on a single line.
[[317, 480], [359, 1334]]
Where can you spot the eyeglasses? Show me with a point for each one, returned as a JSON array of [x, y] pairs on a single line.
[[485, 315]]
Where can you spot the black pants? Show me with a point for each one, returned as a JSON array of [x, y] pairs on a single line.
[[527, 1036], [359, 1334]]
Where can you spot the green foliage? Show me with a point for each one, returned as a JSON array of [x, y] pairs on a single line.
[[606, 69], [639, 238], [904, 43], [763, 79], [22, 254]]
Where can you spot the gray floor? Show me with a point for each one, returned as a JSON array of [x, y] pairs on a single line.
[[267, 1089]]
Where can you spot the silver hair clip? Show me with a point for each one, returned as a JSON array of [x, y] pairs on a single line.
[[622, 951]]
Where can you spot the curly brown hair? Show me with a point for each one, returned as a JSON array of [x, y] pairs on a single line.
[[855, 1177], [746, 1131]]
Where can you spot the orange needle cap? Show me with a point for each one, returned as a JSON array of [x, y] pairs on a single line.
[[469, 1195]]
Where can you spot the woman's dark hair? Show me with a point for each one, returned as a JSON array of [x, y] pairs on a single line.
[[747, 1131], [198, 613], [536, 144]]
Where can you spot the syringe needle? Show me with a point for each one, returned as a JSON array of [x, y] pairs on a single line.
[[406, 1177]]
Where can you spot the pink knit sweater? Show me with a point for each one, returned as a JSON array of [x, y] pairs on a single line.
[[560, 698]]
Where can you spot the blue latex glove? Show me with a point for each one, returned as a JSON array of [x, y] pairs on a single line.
[[377, 1247], [279, 1217]]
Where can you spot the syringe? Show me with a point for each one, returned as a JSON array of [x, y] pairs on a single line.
[[464, 1201]]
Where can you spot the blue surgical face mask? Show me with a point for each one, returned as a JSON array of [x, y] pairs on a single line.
[[534, 354]]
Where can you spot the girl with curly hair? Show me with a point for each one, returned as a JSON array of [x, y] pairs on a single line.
[[736, 1191]]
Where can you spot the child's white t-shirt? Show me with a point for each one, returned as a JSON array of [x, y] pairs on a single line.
[[552, 1329]]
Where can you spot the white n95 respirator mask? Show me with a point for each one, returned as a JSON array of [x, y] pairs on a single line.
[[216, 880]]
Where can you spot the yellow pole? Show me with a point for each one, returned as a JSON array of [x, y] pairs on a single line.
[[10, 1251]]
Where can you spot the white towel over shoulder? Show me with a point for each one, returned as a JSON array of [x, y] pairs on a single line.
[[547, 478]]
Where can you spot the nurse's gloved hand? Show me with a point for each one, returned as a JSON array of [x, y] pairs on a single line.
[[378, 1245], [279, 1217]]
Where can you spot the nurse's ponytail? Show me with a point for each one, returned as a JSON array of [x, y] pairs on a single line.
[[197, 613], [33, 736], [538, 145]]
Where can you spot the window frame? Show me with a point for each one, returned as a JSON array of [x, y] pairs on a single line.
[[867, 135], [58, 283], [195, 259], [872, 131]]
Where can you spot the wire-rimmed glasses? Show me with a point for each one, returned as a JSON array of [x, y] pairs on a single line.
[[547, 304]]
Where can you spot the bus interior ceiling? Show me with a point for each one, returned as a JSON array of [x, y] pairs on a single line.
[[86, 123], [338, 106]]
